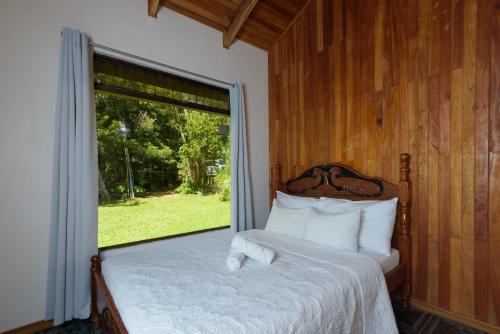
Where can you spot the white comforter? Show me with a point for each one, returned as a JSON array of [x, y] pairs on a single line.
[[183, 286]]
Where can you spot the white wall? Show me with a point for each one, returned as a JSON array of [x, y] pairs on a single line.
[[29, 49]]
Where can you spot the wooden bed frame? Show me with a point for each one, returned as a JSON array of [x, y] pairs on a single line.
[[336, 180], [327, 180]]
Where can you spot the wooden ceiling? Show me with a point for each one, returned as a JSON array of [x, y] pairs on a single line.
[[257, 22]]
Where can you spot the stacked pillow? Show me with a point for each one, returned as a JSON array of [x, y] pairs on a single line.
[[377, 221], [288, 221], [337, 223], [297, 202]]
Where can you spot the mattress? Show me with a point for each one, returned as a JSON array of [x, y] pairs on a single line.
[[182, 285]]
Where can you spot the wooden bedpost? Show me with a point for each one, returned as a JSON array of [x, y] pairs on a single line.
[[95, 268], [404, 238], [276, 181]]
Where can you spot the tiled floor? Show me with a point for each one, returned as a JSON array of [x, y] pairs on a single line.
[[73, 327], [409, 322]]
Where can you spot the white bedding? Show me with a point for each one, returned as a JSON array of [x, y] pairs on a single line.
[[182, 285], [387, 263]]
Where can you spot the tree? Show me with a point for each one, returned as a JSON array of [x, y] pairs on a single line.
[[167, 145], [203, 143], [152, 144]]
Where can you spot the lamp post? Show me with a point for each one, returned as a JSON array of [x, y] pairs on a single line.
[[124, 132]]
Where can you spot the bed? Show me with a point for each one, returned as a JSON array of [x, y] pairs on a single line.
[[181, 285]]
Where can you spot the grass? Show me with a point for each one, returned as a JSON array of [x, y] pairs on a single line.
[[159, 215]]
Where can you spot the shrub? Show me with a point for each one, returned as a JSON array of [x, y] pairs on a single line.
[[188, 188], [223, 183], [225, 194]]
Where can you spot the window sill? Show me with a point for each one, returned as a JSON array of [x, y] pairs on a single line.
[[133, 243]]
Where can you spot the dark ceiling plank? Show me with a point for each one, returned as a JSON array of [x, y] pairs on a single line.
[[258, 21], [194, 16], [261, 26], [252, 40], [199, 10], [153, 6], [287, 8], [263, 12], [255, 30], [230, 4], [239, 19]]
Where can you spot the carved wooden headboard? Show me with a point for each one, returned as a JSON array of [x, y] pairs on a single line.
[[339, 181]]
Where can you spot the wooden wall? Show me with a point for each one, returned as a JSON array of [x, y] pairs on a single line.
[[360, 81]]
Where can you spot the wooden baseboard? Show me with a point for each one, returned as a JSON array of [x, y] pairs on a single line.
[[38, 326], [484, 326]]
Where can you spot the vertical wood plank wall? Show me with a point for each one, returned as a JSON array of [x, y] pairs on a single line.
[[360, 81]]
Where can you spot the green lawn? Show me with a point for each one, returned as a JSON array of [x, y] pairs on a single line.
[[161, 215]]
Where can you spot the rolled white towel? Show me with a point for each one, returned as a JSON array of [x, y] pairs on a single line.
[[235, 260], [252, 249]]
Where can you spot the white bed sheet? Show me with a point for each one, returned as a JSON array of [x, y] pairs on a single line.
[[387, 263], [182, 285]]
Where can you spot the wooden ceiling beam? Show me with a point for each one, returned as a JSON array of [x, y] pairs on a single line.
[[234, 27], [153, 7]]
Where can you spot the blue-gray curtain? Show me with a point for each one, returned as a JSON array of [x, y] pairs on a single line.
[[241, 192], [74, 194]]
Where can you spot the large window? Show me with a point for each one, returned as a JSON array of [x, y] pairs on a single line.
[[163, 150]]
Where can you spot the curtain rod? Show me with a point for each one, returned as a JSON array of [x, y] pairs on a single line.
[[165, 66]]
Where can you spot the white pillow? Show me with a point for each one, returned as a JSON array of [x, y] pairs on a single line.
[[287, 221], [334, 230], [377, 221], [298, 202]]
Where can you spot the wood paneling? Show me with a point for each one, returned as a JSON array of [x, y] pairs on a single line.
[[262, 25], [361, 81]]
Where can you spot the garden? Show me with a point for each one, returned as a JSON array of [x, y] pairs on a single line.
[[163, 169]]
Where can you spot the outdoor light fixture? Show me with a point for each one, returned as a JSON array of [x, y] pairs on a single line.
[[124, 131]]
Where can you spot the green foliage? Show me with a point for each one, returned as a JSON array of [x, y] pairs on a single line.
[[121, 188], [168, 147], [202, 145], [225, 190], [188, 188], [223, 180]]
